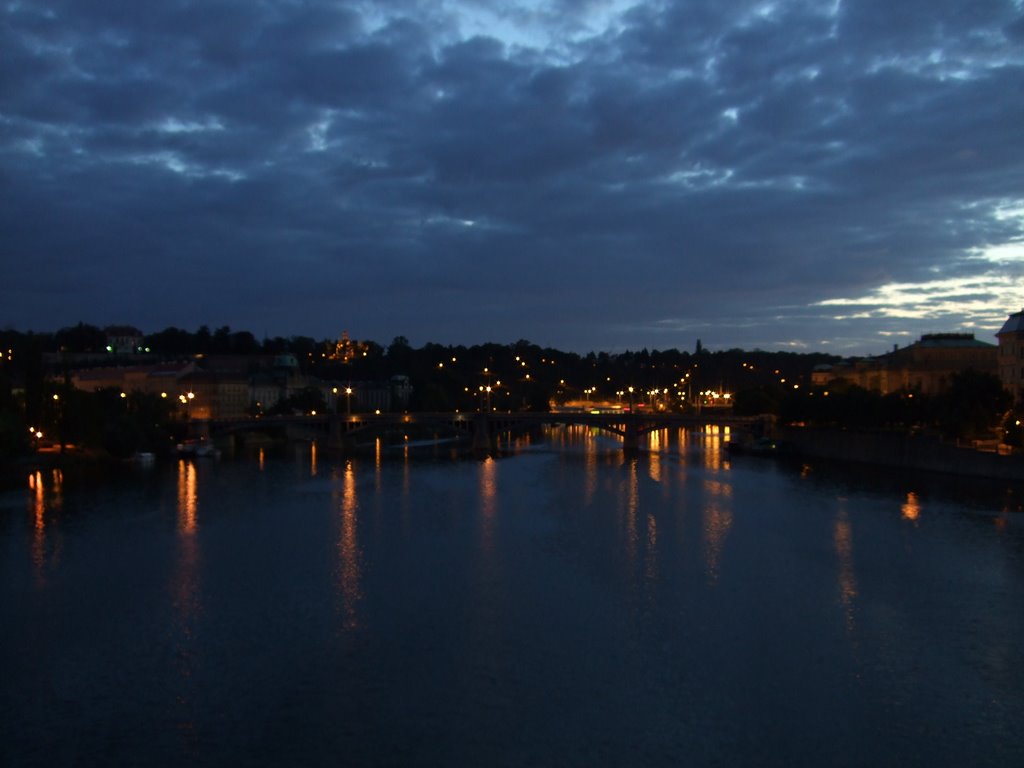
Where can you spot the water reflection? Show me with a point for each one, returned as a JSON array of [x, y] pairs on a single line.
[[632, 506], [185, 588], [312, 459], [656, 444], [911, 508], [717, 522], [651, 552], [589, 471], [44, 499], [378, 450], [488, 504], [842, 536], [186, 578], [349, 569], [187, 500], [712, 445]]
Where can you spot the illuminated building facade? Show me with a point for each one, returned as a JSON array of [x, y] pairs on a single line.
[[1011, 355], [926, 366]]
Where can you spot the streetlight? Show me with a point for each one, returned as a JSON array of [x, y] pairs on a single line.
[[348, 400]]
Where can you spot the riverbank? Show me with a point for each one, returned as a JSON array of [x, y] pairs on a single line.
[[72, 462], [902, 451]]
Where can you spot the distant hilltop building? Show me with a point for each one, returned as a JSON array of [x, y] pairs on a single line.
[[123, 339], [926, 366], [1011, 355], [346, 349]]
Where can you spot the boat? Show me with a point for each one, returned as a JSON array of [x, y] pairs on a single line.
[[761, 446], [201, 448]]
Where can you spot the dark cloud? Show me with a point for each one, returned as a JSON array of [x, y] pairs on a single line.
[[585, 173]]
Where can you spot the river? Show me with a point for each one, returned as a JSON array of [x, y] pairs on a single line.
[[556, 604]]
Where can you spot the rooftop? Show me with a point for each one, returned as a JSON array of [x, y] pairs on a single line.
[[1014, 324], [949, 340]]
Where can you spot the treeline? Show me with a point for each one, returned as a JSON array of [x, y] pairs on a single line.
[[521, 375], [974, 407]]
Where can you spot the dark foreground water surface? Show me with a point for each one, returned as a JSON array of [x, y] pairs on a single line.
[[559, 605]]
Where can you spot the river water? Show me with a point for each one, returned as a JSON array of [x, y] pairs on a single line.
[[559, 604]]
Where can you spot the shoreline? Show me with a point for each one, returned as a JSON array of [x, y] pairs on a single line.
[[901, 451]]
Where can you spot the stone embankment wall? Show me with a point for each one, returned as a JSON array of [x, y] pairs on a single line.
[[901, 450]]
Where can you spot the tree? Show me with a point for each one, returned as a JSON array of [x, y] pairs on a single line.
[[973, 405], [81, 338]]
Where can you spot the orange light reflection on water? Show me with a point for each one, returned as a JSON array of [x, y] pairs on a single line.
[[46, 498], [186, 594], [717, 520], [843, 538], [187, 501], [911, 508], [657, 444], [35, 483], [488, 503], [349, 555]]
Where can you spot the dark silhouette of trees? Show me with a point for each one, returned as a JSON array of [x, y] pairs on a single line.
[[81, 338]]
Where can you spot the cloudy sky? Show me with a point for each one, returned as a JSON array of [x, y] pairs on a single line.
[[586, 174]]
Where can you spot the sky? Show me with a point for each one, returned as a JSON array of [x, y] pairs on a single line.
[[584, 174]]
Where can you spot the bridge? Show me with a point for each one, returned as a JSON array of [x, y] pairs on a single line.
[[480, 427]]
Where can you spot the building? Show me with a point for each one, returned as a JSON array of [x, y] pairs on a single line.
[[1011, 355], [927, 366], [123, 339], [213, 396], [347, 350], [164, 378]]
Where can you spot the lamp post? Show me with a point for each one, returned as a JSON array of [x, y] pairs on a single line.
[[348, 401]]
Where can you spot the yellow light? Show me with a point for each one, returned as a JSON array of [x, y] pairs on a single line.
[[334, 390], [39, 434], [56, 397], [312, 413], [377, 411], [191, 395], [124, 394], [163, 394]]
